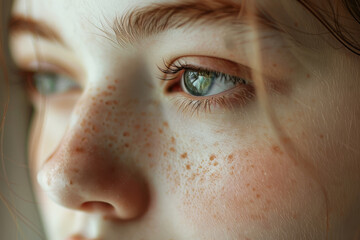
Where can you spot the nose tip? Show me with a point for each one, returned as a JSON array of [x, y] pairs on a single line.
[[124, 198], [95, 182]]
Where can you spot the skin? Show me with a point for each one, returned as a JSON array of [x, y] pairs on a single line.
[[117, 159]]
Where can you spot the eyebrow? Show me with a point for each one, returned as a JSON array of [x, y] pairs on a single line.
[[20, 24], [140, 23]]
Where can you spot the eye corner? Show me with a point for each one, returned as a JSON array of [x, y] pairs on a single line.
[[173, 86]]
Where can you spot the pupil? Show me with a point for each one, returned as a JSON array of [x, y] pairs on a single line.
[[198, 83]]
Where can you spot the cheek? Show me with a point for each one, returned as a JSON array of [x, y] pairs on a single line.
[[256, 188]]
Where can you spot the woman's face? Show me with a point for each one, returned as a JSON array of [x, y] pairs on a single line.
[[117, 152]]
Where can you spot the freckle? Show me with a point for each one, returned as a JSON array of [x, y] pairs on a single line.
[[160, 131], [137, 126], [184, 155], [254, 189], [246, 154], [126, 145], [172, 149], [166, 124], [165, 154], [111, 87], [307, 75], [248, 185], [258, 195], [188, 167], [277, 150], [274, 65], [71, 182], [230, 159], [149, 155], [79, 150], [116, 81], [321, 136], [172, 140], [126, 134], [212, 157], [216, 163], [106, 94]]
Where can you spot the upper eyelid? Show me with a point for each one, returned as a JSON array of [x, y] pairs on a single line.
[[211, 64]]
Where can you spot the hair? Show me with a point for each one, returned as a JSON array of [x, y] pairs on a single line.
[[329, 18], [332, 23]]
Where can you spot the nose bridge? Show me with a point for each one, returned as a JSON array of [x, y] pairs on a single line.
[[89, 169], [108, 109]]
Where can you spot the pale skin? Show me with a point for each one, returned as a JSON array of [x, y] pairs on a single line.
[[118, 158]]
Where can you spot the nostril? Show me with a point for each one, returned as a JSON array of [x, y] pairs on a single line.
[[100, 207]]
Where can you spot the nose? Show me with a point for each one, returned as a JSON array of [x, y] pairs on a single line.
[[85, 174]]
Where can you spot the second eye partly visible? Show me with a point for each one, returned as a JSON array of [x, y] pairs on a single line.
[[49, 83]]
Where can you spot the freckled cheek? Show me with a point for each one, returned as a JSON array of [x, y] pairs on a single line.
[[251, 189]]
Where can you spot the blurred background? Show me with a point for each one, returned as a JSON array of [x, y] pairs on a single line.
[[18, 212]]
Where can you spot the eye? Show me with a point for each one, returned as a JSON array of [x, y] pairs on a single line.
[[207, 83], [205, 88], [49, 83]]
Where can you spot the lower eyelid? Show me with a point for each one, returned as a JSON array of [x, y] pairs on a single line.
[[232, 99]]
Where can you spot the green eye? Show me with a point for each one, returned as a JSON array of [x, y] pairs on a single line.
[[198, 83], [207, 83], [52, 83]]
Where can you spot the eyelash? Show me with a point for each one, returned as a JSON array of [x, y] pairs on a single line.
[[237, 96]]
